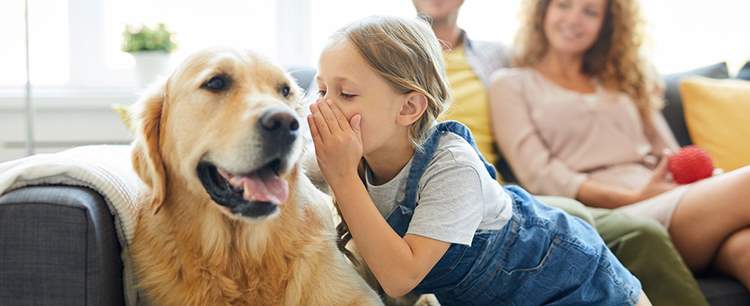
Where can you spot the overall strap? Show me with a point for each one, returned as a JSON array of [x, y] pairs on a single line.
[[400, 218], [423, 157]]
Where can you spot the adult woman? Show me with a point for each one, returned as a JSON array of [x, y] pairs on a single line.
[[579, 117]]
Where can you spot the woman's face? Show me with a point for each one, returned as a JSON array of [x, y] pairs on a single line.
[[345, 78], [572, 26]]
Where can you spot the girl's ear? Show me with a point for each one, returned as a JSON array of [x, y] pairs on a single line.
[[414, 105]]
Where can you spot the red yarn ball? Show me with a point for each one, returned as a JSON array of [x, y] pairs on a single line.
[[690, 164]]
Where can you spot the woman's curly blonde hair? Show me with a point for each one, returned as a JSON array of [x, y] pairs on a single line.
[[614, 57]]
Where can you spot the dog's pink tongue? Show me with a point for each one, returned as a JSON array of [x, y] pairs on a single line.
[[268, 188]]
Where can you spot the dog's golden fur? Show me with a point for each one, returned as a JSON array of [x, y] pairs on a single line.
[[190, 251]]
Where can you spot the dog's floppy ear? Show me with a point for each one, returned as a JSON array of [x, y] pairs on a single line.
[[146, 157]]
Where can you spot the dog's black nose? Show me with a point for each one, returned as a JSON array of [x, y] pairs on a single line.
[[278, 128], [279, 122]]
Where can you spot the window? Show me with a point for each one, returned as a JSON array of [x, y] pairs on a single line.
[[76, 44], [485, 20], [330, 15], [48, 46], [490, 20], [78, 70], [197, 24], [691, 33]]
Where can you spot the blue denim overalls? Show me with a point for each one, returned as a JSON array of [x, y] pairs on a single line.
[[540, 257]]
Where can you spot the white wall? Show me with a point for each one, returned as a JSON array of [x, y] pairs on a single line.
[[62, 122]]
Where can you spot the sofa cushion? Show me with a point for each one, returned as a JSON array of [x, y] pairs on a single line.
[[744, 73], [722, 291], [717, 114], [304, 76], [673, 111]]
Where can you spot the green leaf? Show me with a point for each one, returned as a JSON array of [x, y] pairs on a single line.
[[144, 38]]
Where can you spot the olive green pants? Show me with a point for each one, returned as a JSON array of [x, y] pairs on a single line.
[[644, 247]]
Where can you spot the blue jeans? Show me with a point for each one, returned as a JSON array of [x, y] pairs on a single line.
[[542, 256]]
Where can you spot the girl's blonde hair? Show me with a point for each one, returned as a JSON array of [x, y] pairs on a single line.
[[407, 55], [613, 58]]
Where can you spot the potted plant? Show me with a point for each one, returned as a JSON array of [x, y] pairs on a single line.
[[151, 48]]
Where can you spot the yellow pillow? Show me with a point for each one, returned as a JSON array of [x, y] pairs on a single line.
[[717, 113]]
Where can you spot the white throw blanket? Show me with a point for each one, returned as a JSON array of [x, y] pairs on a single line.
[[106, 169]]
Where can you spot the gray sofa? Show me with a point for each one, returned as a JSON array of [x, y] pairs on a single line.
[[58, 244], [58, 247]]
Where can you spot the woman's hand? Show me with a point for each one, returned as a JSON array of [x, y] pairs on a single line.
[[659, 183], [338, 143]]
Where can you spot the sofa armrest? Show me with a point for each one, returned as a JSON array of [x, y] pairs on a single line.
[[58, 246]]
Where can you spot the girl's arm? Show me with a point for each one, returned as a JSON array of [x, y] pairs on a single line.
[[398, 264]]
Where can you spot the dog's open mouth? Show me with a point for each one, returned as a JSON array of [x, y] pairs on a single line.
[[255, 194]]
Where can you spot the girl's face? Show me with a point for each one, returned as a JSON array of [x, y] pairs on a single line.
[[572, 26], [345, 78]]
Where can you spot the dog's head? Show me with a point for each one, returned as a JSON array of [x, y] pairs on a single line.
[[224, 122]]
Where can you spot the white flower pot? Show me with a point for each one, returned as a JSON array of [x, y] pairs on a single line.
[[149, 65]]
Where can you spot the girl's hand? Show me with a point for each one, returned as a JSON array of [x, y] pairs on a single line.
[[660, 181], [338, 143]]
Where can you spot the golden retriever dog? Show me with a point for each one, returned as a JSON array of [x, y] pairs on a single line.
[[231, 219]]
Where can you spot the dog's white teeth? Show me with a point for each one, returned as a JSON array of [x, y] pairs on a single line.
[[225, 174], [233, 188]]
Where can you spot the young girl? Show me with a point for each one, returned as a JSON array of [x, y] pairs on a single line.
[[425, 211]]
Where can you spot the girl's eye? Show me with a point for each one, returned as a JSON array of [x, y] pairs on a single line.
[[347, 96], [321, 93]]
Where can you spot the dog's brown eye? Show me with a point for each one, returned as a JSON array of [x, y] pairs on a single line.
[[217, 83], [285, 90]]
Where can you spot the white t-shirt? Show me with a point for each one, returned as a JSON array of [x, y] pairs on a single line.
[[455, 198]]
